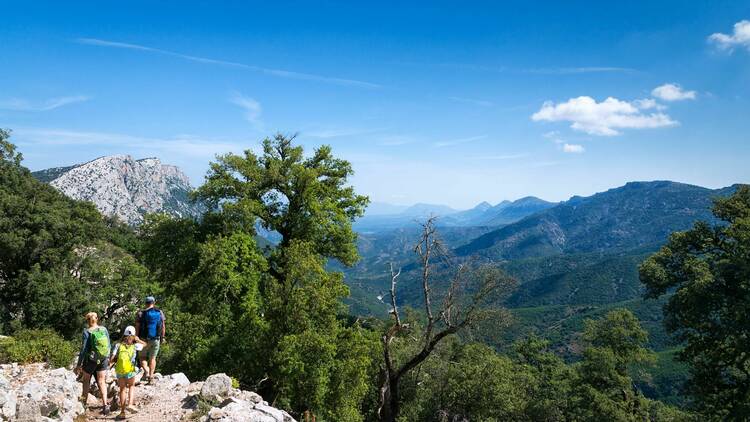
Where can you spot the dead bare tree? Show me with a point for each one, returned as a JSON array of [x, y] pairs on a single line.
[[460, 307]]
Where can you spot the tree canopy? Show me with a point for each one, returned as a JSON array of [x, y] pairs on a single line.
[[706, 272]]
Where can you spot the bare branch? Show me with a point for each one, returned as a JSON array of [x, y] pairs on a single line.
[[394, 277]]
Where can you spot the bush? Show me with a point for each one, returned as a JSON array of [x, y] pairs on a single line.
[[33, 346]]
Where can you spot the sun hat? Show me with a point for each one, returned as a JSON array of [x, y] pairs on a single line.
[[129, 331]]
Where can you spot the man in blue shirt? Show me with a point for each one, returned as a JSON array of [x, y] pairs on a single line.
[[150, 326]]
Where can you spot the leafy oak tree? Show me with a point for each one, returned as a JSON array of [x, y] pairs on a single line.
[[707, 272], [269, 315]]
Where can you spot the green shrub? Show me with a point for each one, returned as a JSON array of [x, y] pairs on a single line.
[[32, 346], [235, 383]]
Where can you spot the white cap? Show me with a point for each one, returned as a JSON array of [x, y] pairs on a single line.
[[129, 331]]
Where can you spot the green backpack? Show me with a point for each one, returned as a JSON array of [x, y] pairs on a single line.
[[99, 344]]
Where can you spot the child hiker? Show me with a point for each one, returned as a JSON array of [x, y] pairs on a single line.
[[124, 361]]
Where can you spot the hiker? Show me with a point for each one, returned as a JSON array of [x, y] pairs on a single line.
[[150, 326], [94, 359], [123, 358]]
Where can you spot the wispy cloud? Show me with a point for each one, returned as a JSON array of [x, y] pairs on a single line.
[[577, 70], [542, 70], [573, 148], [396, 140], [740, 37], [251, 107], [501, 157], [481, 103], [19, 104], [205, 60], [336, 132], [459, 141], [184, 145]]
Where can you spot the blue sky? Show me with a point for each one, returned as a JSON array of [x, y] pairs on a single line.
[[440, 102]]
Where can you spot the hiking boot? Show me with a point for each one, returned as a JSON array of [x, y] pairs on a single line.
[[105, 411], [121, 417]]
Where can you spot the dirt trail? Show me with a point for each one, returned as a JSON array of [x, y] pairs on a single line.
[[158, 402]]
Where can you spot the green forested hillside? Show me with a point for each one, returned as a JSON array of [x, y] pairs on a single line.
[[635, 215], [573, 339]]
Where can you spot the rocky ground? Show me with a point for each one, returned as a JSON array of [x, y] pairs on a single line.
[[37, 393]]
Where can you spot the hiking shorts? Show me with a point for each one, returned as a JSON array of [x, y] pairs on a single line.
[[91, 366], [127, 376], [150, 350]]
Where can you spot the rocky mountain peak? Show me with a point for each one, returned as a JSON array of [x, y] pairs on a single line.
[[122, 186]]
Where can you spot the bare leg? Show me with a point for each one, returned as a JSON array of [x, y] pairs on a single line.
[[101, 378], [131, 392], [86, 380], [152, 367], [144, 365], [123, 398]]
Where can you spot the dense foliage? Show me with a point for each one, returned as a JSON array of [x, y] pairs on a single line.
[[272, 315], [32, 346], [269, 316], [57, 258], [708, 269]]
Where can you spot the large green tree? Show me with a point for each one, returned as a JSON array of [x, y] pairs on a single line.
[[269, 315], [706, 272], [603, 389]]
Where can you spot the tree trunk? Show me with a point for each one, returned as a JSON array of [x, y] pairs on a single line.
[[389, 406]]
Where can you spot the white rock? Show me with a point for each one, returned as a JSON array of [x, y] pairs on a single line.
[[33, 391], [248, 396], [277, 415], [27, 410], [239, 411], [177, 380], [216, 385], [7, 405]]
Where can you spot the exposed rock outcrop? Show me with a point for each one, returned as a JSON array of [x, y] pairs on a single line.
[[30, 393], [125, 187], [36, 393]]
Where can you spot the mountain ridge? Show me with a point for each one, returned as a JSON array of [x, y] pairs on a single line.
[[126, 188], [632, 215]]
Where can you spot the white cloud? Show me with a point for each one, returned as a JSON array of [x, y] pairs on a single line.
[[268, 71], [252, 109], [573, 148], [604, 118], [671, 92], [460, 141], [19, 104], [648, 103], [740, 37]]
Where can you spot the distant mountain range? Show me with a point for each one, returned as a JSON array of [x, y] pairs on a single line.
[[126, 188], [381, 216], [635, 215]]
